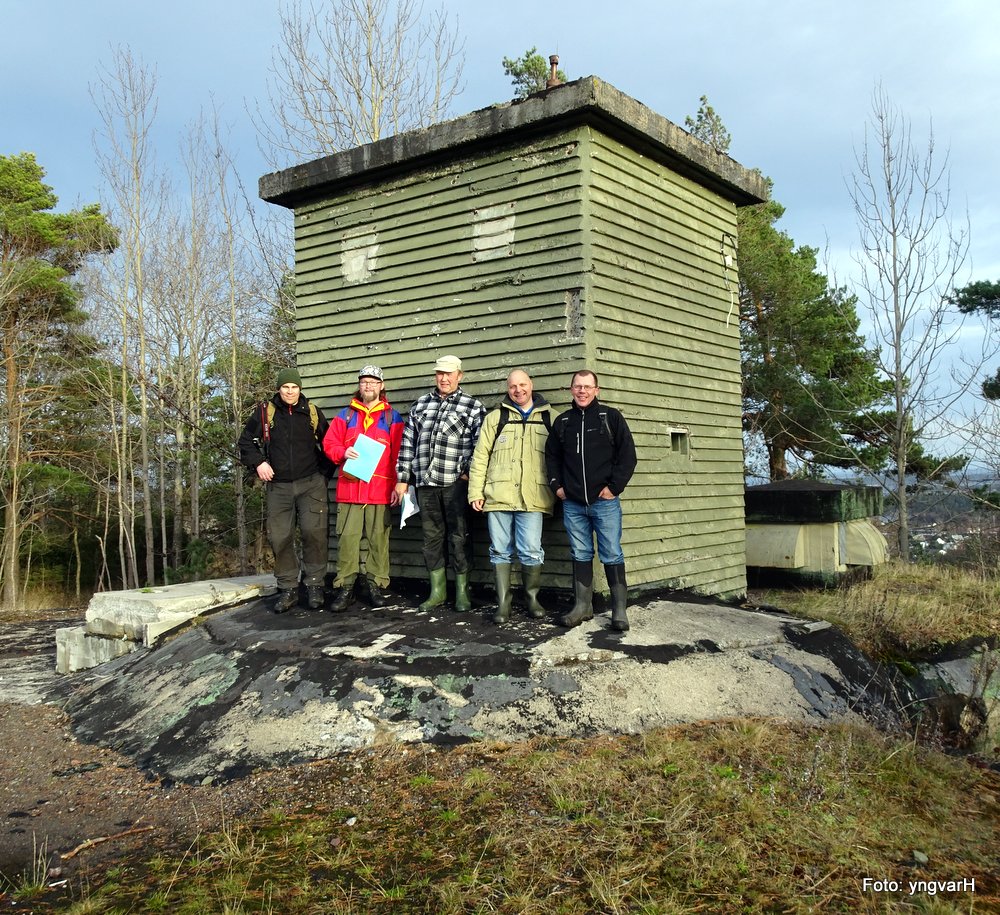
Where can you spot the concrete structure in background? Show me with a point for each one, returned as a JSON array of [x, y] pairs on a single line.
[[813, 532], [119, 622], [572, 228]]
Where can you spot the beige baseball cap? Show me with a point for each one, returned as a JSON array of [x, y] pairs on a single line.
[[448, 364]]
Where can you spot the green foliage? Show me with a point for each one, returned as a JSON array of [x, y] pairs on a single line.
[[809, 385], [707, 126], [529, 73], [42, 353], [982, 297], [41, 249]]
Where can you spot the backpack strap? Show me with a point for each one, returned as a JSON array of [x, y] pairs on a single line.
[[505, 418], [266, 420]]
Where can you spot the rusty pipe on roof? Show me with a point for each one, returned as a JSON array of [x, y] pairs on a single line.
[[553, 80]]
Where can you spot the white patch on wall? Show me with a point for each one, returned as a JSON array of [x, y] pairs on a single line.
[[493, 232], [358, 255]]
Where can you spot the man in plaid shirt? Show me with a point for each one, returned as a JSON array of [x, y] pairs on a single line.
[[438, 440]]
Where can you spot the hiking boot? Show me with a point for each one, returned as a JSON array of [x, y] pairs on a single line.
[[315, 597], [377, 597], [287, 598], [341, 599]]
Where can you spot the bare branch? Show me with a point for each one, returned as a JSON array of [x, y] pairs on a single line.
[[349, 72]]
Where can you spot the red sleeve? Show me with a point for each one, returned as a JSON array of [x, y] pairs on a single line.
[[333, 442]]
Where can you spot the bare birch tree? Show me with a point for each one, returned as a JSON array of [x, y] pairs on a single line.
[[126, 101], [349, 72], [911, 254]]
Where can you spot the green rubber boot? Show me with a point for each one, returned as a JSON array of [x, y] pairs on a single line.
[[502, 572], [463, 600], [532, 577], [439, 590]]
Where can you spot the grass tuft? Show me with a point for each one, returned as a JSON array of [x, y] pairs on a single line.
[[905, 609]]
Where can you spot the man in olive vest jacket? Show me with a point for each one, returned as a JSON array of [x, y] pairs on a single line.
[[508, 481]]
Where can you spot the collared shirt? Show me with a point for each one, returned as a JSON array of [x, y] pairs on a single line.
[[439, 438]]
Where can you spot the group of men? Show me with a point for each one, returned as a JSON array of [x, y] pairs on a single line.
[[513, 463]]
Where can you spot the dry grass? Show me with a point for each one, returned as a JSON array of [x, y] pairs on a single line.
[[728, 817], [724, 817], [905, 609]]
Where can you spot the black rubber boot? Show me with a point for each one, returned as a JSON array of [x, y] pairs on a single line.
[[532, 578], [619, 596], [502, 572], [377, 597], [583, 590], [342, 598]]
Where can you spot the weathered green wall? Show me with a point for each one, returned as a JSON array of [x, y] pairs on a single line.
[[665, 335], [567, 251], [574, 228], [481, 257]]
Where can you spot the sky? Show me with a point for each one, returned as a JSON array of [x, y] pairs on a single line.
[[791, 79]]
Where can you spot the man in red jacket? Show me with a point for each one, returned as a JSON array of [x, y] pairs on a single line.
[[363, 504]]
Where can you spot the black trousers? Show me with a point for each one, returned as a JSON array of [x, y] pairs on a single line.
[[303, 504], [444, 515]]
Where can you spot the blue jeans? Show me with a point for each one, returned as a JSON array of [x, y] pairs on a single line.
[[520, 529], [603, 518]]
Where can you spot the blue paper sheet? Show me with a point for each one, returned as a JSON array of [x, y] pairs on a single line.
[[370, 452]]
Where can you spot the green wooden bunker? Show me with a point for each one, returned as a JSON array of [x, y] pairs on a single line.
[[573, 228]]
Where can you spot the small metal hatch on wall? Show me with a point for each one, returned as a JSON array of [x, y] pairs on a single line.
[[679, 440]]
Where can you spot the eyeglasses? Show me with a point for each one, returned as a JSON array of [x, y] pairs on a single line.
[[369, 381], [584, 387]]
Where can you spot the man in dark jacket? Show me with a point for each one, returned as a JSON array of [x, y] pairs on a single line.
[[590, 458], [279, 442]]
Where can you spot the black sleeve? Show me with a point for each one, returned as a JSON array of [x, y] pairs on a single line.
[[625, 456], [554, 457], [250, 453], [322, 426]]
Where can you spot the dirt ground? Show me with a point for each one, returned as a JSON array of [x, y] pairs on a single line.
[[67, 807], [80, 806]]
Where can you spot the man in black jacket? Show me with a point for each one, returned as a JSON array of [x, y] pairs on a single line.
[[279, 443], [590, 458]]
